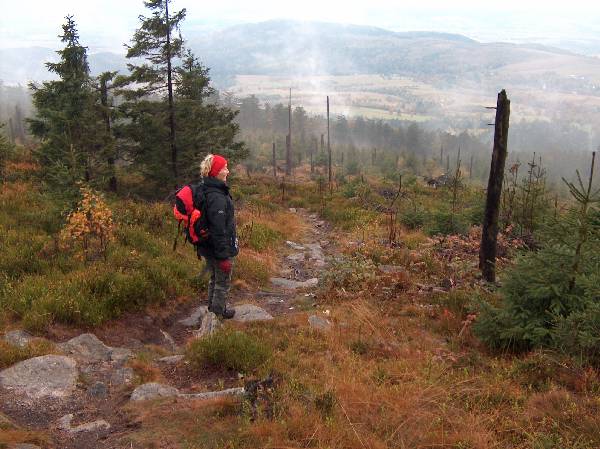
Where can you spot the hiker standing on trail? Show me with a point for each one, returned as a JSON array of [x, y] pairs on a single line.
[[222, 245]]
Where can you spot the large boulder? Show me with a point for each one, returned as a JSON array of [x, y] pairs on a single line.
[[40, 377], [87, 348], [250, 312]]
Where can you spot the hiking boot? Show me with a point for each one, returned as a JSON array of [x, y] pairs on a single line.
[[228, 314]]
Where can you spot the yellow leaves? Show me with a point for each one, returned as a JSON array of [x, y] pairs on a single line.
[[90, 226]]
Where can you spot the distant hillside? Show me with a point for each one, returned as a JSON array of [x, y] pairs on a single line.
[[287, 48]]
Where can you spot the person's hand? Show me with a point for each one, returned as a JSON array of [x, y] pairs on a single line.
[[225, 265]]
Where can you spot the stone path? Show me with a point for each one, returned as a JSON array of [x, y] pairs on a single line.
[[88, 380]]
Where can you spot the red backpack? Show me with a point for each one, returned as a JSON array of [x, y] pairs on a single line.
[[189, 209]]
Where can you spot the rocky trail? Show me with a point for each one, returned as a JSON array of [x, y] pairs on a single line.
[[80, 396]]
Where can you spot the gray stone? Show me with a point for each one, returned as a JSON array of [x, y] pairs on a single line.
[[319, 323], [213, 394], [210, 324], [275, 301], [195, 318], [292, 285], [391, 269], [169, 341], [172, 359], [88, 348], [120, 355], [64, 423], [40, 377], [293, 210], [153, 390], [316, 254], [297, 257], [295, 246], [122, 376], [98, 390], [18, 338], [250, 312]]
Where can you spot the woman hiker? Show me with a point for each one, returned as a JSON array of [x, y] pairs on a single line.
[[222, 246]]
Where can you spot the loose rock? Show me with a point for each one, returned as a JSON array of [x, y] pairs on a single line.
[[98, 390], [64, 423], [172, 359], [292, 285], [87, 347], [319, 323], [168, 341], [250, 312], [18, 338], [153, 390], [39, 377], [210, 324], [295, 246], [195, 318]]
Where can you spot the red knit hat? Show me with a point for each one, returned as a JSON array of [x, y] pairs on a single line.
[[218, 163]]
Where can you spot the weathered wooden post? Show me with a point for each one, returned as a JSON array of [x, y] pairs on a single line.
[[489, 232], [471, 168]]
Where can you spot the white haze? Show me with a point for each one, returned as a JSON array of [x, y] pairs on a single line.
[[105, 25]]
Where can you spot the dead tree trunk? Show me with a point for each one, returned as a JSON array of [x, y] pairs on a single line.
[[288, 140], [170, 92], [471, 168], [329, 150], [274, 162], [489, 232]]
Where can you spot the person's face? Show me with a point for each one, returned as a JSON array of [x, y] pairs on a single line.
[[222, 176]]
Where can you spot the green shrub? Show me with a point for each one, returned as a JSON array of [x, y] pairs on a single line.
[[413, 219], [349, 273], [228, 349], [259, 236], [446, 223]]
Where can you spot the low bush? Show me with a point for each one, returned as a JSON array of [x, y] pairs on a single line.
[[229, 349], [413, 218], [351, 274], [446, 223]]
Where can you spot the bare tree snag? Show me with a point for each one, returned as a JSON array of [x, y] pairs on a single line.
[[288, 141], [329, 150], [274, 162], [489, 232]]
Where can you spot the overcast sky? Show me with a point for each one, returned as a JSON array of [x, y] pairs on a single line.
[[107, 24]]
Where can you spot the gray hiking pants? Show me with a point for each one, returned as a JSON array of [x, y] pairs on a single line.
[[218, 286]]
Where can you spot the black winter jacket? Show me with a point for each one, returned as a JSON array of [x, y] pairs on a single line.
[[220, 214]]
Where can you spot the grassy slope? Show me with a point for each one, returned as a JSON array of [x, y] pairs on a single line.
[[400, 369]]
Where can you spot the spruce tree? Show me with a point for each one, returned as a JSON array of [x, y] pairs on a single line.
[[170, 123], [155, 42], [548, 291], [67, 121]]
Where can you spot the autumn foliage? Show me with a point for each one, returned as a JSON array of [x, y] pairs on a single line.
[[89, 227]]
